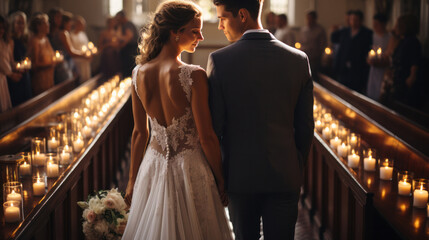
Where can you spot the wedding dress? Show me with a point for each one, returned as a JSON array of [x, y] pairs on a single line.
[[175, 194]]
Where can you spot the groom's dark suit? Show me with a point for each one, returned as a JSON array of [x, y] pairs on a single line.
[[261, 99]]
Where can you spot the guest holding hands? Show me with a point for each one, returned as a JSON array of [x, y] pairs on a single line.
[[20, 91], [6, 63], [41, 55]]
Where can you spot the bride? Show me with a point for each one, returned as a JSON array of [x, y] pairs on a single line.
[[175, 183]]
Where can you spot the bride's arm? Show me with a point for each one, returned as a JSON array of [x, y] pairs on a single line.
[[203, 121], [139, 141]]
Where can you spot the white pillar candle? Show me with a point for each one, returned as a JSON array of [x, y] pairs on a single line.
[[404, 188], [38, 188], [52, 170], [369, 164], [335, 142], [420, 198], [13, 196], [319, 125], [25, 169], [326, 133], [353, 141], [68, 149], [52, 143], [39, 159], [77, 145], [86, 132], [353, 160], [386, 173], [65, 157], [342, 149], [12, 214]]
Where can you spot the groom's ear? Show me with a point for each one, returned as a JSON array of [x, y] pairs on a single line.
[[243, 14]]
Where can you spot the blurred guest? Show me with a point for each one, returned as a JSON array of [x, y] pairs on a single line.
[[378, 64], [283, 32], [337, 31], [354, 44], [79, 39], [406, 59], [55, 18], [20, 91], [6, 63], [270, 22], [128, 43], [109, 48], [313, 42], [41, 55], [60, 40]]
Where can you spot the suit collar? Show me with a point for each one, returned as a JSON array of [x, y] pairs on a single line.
[[260, 35]]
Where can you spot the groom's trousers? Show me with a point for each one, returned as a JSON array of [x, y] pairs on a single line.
[[279, 212]]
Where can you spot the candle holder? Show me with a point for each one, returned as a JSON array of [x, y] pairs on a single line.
[[405, 183], [343, 133], [38, 151], [343, 150], [87, 132], [327, 116], [13, 212], [318, 124], [12, 191], [420, 193], [334, 142], [25, 165], [386, 169], [369, 159], [39, 186], [51, 167], [354, 140], [53, 140], [353, 159], [77, 142], [334, 125], [65, 154]]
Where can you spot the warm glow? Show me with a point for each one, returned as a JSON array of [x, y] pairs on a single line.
[[417, 223], [372, 53], [90, 45], [383, 193], [84, 48], [57, 54], [297, 45], [94, 50], [403, 207], [369, 181], [18, 65], [88, 53], [318, 122], [328, 51], [11, 204], [379, 51]]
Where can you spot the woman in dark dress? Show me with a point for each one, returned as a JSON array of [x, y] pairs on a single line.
[[406, 59], [20, 91]]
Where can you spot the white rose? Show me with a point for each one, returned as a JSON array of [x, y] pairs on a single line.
[[96, 205]]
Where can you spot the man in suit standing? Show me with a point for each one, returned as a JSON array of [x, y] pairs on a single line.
[[261, 98]]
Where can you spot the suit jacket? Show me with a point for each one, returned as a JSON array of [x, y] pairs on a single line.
[[261, 100]]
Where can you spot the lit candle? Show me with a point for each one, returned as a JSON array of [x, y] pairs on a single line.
[[404, 188], [25, 169], [319, 125], [52, 170], [88, 53], [77, 145], [342, 149], [39, 159], [18, 66], [297, 45], [52, 143], [90, 45], [84, 48], [328, 51], [353, 160], [65, 157], [353, 141], [379, 51], [14, 196], [369, 163], [86, 132], [372, 54], [326, 133], [67, 148], [12, 214], [94, 50], [386, 172], [39, 188], [420, 197], [335, 142]]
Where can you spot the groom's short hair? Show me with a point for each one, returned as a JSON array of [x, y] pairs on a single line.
[[233, 6]]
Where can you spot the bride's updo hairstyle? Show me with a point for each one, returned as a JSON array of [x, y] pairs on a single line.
[[169, 16]]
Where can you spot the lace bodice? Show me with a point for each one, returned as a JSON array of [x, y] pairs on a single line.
[[181, 134]]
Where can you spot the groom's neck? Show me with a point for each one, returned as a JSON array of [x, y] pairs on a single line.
[[252, 24]]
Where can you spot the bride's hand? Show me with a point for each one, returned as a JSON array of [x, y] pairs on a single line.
[[129, 193], [222, 194]]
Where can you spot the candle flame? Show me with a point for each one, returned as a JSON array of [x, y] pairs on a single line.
[[328, 51], [372, 52], [297, 45], [13, 192], [11, 204], [57, 54], [379, 51], [90, 45]]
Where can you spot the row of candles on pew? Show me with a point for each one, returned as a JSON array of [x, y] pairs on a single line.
[[66, 138], [348, 146], [372, 54]]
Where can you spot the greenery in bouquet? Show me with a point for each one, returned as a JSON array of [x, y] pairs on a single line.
[[105, 214]]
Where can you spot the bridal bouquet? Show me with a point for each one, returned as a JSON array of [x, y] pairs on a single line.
[[104, 215]]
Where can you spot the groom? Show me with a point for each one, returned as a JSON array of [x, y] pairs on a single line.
[[261, 98]]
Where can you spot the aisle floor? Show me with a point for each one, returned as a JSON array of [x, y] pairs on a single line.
[[304, 229]]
